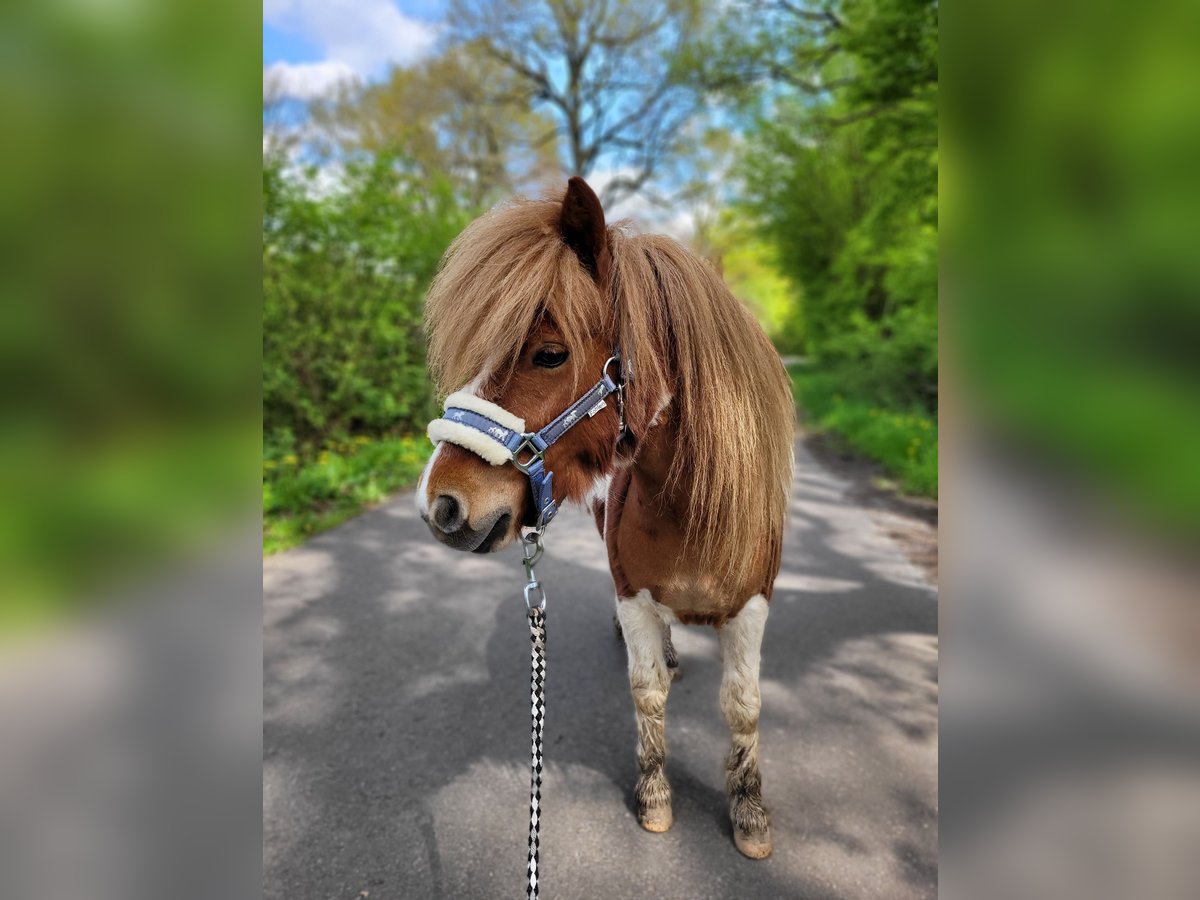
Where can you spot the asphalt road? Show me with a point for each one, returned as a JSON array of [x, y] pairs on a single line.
[[396, 721]]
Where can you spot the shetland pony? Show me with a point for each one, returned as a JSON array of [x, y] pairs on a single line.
[[529, 303]]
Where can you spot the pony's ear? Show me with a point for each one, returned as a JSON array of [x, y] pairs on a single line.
[[582, 227]]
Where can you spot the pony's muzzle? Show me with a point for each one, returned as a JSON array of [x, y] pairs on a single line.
[[467, 503], [447, 519]]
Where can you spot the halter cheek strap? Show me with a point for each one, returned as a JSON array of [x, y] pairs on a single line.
[[499, 437]]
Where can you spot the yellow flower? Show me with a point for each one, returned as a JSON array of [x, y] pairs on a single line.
[[268, 464], [290, 459]]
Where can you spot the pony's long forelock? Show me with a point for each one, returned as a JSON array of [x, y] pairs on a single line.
[[684, 336], [506, 269]]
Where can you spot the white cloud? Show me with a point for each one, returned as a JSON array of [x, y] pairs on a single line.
[[365, 36], [305, 81]]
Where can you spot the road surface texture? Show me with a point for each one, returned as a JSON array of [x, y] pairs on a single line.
[[396, 721]]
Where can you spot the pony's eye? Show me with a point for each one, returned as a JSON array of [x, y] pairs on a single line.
[[550, 357]]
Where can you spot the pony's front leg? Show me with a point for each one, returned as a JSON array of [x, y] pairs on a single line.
[[649, 682], [741, 643]]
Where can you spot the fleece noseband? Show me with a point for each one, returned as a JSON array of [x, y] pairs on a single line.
[[498, 436]]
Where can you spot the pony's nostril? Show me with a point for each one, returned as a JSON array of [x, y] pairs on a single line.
[[448, 513]]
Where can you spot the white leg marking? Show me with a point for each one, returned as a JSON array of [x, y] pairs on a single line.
[[642, 625], [741, 656], [741, 646]]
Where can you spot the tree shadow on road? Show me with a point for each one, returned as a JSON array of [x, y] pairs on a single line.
[[396, 729]]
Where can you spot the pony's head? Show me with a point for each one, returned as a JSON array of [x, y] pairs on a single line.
[[519, 315], [530, 302]]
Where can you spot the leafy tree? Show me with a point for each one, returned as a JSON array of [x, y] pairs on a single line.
[[602, 69], [841, 173], [345, 269], [459, 115]]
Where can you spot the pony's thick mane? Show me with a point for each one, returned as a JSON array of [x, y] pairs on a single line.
[[684, 337]]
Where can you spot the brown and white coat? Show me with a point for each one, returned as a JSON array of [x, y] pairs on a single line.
[[529, 303]]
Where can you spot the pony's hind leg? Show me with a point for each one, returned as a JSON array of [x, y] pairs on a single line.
[[669, 654], [649, 681], [741, 643]]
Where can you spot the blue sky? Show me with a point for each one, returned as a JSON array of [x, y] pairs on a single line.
[[309, 45]]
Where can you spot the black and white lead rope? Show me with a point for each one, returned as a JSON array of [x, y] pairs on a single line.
[[537, 633], [499, 436], [535, 601]]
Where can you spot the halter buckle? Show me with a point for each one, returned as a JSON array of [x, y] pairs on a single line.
[[535, 456]]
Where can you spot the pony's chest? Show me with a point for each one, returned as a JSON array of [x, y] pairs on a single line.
[[647, 552]]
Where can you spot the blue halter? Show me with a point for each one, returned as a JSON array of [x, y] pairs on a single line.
[[528, 449]]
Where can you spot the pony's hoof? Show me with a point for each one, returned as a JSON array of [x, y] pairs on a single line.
[[656, 820], [754, 846]]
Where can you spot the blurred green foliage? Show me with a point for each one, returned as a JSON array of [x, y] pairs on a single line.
[[345, 269], [129, 315], [1073, 281]]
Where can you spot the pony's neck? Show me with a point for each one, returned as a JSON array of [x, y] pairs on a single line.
[[651, 467]]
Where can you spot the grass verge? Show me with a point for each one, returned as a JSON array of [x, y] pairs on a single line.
[[905, 443], [302, 498]]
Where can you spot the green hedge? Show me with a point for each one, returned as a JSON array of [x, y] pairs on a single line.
[[345, 269]]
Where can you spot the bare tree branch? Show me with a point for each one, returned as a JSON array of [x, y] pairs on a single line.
[[602, 68]]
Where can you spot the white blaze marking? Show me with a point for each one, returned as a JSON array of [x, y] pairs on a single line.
[[422, 499], [423, 484]]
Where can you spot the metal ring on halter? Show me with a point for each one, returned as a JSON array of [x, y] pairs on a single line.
[[615, 358]]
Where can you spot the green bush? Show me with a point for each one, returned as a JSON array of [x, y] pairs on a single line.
[[905, 443], [345, 269], [302, 498]]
